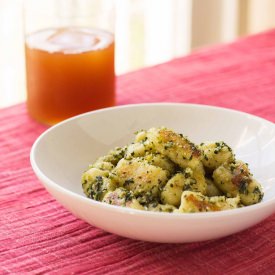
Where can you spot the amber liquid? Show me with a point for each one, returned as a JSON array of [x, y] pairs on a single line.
[[69, 71]]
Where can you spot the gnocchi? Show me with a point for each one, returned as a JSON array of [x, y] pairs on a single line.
[[164, 171]]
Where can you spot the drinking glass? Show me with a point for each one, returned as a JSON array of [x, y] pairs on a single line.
[[70, 51]]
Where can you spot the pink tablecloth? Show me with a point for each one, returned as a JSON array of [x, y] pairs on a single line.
[[37, 235]]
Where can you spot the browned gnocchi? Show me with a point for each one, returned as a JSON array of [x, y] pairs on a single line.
[[164, 171]]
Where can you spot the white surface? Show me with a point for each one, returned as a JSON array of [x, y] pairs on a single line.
[[62, 153]]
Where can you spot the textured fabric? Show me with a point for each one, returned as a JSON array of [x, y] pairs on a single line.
[[37, 235]]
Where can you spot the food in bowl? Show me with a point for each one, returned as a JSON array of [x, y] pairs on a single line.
[[164, 171]]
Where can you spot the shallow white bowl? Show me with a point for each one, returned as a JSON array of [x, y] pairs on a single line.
[[63, 152]]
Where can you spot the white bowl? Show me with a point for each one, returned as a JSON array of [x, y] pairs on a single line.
[[63, 152]]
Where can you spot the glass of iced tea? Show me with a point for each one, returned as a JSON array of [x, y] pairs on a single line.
[[69, 47]]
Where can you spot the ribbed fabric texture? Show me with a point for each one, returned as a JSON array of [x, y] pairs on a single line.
[[37, 235]]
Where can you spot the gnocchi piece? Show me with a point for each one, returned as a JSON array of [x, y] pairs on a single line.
[[162, 208], [122, 197], [253, 194], [175, 146], [216, 154], [234, 179], [96, 183], [119, 197], [162, 162], [140, 147], [212, 190], [103, 165], [172, 191], [196, 202], [199, 176], [141, 136], [223, 177], [135, 150], [114, 156], [140, 176], [134, 204]]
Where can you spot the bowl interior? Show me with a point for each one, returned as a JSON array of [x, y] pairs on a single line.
[[64, 151]]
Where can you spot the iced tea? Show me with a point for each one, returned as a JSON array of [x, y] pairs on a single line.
[[69, 71]]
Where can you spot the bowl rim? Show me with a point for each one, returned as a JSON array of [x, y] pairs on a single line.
[[126, 210]]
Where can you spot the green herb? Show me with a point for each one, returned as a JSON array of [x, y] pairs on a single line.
[[128, 182], [243, 187], [128, 196], [257, 191]]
